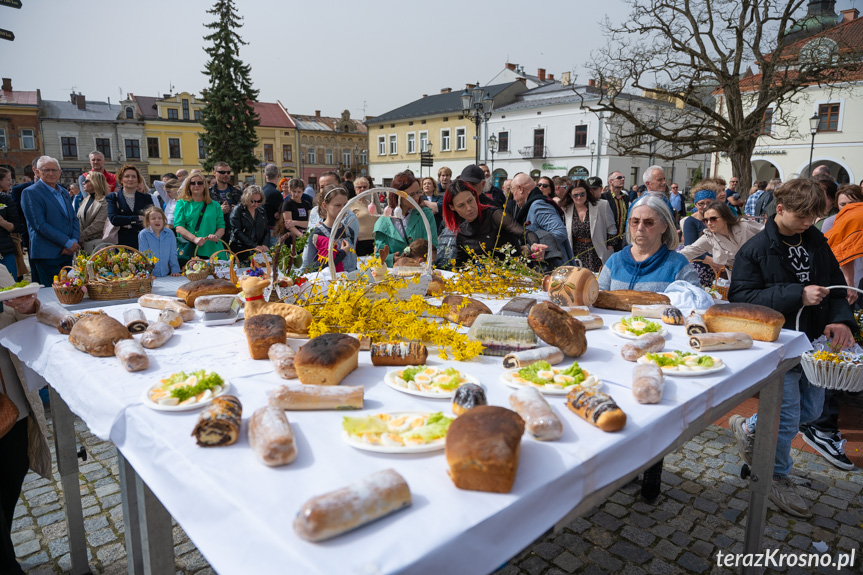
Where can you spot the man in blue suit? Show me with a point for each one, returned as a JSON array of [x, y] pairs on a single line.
[[51, 222]]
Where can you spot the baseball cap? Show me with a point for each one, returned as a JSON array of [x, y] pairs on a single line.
[[594, 182], [472, 174]]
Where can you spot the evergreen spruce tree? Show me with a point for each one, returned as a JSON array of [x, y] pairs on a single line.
[[229, 119]]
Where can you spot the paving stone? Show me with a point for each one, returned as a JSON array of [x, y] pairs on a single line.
[[27, 563], [55, 530], [702, 548], [731, 514], [51, 518], [631, 552], [667, 550], [660, 567], [27, 548], [693, 563], [822, 510], [662, 530], [99, 538], [31, 494], [568, 562], [641, 521], [111, 553], [680, 539], [615, 510], [573, 543], [621, 498], [601, 558], [97, 474], [39, 511], [607, 521], [58, 547], [776, 532], [547, 550], [825, 522], [705, 505], [95, 523], [599, 537], [800, 542], [112, 500], [852, 532], [21, 536], [638, 536]]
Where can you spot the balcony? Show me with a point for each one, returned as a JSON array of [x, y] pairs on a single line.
[[534, 152]]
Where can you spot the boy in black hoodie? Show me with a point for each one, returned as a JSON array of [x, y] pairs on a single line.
[[785, 267]]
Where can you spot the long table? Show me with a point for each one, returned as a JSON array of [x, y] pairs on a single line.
[[239, 512]]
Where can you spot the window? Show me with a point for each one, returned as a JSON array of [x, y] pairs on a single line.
[[70, 148], [133, 150], [312, 156], [444, 140], [104, 145], [202, 149], [185, 109], [287, 153], [394, 144], [197, 115], [829, 114], [364, 156], [767, 123], [153, 147], [460, 139], [172, 114], [268, 152], [539, 143], [346, 157], [329, 156], [580, 137], [503, 141], [130, 113], [424, 141], [28, 139], [2, 137], [174, 147], [412, 143], [382, 146]]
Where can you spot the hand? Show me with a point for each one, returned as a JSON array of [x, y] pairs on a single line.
[[537, 251], [344, 245], [851, 297], [812, 295], [226, 209], [213, 238], [200, 241], [24, 304], [262, 249], [176, 275], [840, 334]]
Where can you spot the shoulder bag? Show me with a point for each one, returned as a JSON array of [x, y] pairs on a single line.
[[185, 248]]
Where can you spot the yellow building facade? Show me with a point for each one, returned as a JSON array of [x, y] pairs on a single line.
[[172, 127], [277, 143]]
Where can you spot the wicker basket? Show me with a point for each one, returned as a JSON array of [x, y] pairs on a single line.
[[720, 289], [109, 289], [828, 374], [205, 272], [226, 263], [69, 295], [268, 275]]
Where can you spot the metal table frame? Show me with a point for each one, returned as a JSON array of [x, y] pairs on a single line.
[[148, 527]]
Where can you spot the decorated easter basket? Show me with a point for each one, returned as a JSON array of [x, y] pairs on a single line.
[[118, 272], [69, 286]]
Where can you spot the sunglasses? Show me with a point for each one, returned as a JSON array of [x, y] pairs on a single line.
[[711, 219], [196, 184], [257, 201], [223, 172], [579, 195], [543, 186], [617, 178], [647, 223]]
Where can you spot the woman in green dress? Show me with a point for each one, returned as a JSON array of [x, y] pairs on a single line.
[[197, 219]]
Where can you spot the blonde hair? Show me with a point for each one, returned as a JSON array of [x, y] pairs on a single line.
[[246, 198], [100, 184], [186, 195], [154, 210]]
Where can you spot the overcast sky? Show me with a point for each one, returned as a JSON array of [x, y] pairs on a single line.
[[367, 57]]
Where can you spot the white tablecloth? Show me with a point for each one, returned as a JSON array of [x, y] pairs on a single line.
[[239, 512]]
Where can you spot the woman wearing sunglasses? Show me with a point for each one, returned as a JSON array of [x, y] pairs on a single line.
[[197, 219], [546, 186], [724, 236], [249, 223], [590, 225]]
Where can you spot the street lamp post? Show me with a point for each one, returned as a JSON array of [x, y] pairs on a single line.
[[814, 121], [592, 150], [477, 108], [492, 147]]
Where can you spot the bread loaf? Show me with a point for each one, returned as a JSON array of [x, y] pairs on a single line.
[[539, 418], [399, 353], [339, 511], [282, 357], [590, 321], [131, 355], [154, 301], [758, 321], [647, 383], [157, 335], [527, 357], [219, 423], [135, 320], [719, 341], [271, 436], [189, 292], [596, 408], [96, 334], [482, 449], [214, 302], [463, 310], [262, 331], [695, 324], [557, 328], [647, 343], [327, 359], [624, 299], [299, 397]]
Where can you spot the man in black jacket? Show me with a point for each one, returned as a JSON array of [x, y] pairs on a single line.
[[786, 267], [223, 193]]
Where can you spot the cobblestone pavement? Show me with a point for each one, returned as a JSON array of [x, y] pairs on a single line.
[[701, 510]]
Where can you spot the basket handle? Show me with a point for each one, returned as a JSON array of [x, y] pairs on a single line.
[[227, 248], [235, 256], [799, 313]]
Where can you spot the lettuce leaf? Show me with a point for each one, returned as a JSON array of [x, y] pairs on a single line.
[[206, 380], [363, 425], [651, 326], [436, 427], [409, 373]]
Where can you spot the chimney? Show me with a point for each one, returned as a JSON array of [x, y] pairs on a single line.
[[551, 77], [541, 73], [81, 102], [425, 95], [565, 78], [73, 97], [591, 83], [847, 16], [511, 66], [469, 87], [445, 90], [166, 96], [7, 84], [317, 113]]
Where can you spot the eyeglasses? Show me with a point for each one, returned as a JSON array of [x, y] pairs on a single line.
[[647, 223], [711, 219], [196, 184], [617, 178], [543, 185], [734, 181], [257, 201], [579, 195], [49, 170], [223, 172]]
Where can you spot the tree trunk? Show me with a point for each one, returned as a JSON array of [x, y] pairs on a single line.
[[741, 166]]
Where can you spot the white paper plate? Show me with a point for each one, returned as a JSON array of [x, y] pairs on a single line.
[[389, 379], [506, 378], [676, 373], [435, 445], [626, 335], [20, 291], [159, 407]]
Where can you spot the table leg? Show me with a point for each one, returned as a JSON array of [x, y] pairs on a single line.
[[764, 453], [157, 542], [67, 465], [134, 554]]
